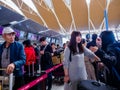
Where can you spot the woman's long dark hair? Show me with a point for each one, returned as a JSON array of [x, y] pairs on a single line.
[[72, 43]]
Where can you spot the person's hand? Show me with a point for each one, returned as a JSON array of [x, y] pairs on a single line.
[[10, 68], [101, 65], [93, 48], [99, 42], [97, 59], [42, 52], [66, 79]]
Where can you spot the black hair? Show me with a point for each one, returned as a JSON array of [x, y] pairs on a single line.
[[64, 44], [72, 44], [83, 41], [35, 44], [87, 36], [27, 43], [16, 38], [52, 44], [42, 39], [94, 37]]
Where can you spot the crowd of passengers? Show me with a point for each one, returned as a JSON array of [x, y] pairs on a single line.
[[21, 58], [84, 59]]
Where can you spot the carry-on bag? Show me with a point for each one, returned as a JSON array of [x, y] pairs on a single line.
[[93, 85], [31, 75]]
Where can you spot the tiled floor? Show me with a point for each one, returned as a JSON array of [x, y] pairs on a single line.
[[57, 87]]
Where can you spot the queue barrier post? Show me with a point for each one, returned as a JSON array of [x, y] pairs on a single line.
[[39, 79]]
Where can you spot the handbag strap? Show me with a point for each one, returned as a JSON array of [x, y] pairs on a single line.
[[70, 58], [45, 47]]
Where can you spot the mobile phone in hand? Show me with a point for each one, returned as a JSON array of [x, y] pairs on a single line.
[[69, 82]]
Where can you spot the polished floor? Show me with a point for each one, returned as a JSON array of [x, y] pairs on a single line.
[[58, 84], [57, 87]]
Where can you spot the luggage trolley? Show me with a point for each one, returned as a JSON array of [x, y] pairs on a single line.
[[6, 81]]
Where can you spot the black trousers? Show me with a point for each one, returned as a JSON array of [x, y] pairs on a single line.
[[49, 78], [19, 81], [49, 81]]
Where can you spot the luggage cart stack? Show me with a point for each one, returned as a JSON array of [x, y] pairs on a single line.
[[6, 81]]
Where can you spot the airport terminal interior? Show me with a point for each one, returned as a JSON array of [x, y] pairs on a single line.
[[55, 20]]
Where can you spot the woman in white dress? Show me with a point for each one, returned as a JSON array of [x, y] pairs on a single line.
[[74, 65]]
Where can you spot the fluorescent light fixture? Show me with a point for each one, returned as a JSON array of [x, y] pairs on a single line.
[[48, 3], [11, 4], [68, 2], [43, 31], [108, 1], [88, 2], [13, 22]]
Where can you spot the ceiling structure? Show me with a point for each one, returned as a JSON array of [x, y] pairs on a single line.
[[20, 23], [64, 16], [7, 16], [29, 26]]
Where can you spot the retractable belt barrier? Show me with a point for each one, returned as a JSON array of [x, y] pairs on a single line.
[[53, 68], [39, 79], [33, 83]]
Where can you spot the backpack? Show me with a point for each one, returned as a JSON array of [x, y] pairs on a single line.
[[30, 55]]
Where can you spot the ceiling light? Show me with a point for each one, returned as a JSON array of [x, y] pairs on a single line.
[[88, 2]]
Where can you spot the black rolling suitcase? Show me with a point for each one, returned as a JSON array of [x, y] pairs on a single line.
[[93, 85], [30, 76]]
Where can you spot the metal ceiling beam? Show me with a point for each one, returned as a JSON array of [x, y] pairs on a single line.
[[52, 9]]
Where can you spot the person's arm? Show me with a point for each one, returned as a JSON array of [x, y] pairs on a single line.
[[41, 50], [18, 63], [66, 62], [91, 54], [109, 57], [66, 77], [106, 57], [51, 50], [22, 58]]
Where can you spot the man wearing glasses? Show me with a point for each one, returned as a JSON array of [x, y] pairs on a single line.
[[12, 56]]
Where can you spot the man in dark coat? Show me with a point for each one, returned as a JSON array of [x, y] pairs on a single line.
[[109, 54], [46, 59]]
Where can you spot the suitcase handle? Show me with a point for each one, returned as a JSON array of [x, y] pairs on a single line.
[[29, 73], [96, 84], [11, 81]]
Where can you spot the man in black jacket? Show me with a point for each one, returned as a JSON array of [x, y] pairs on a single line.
[[93, 42], [46, 59]]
